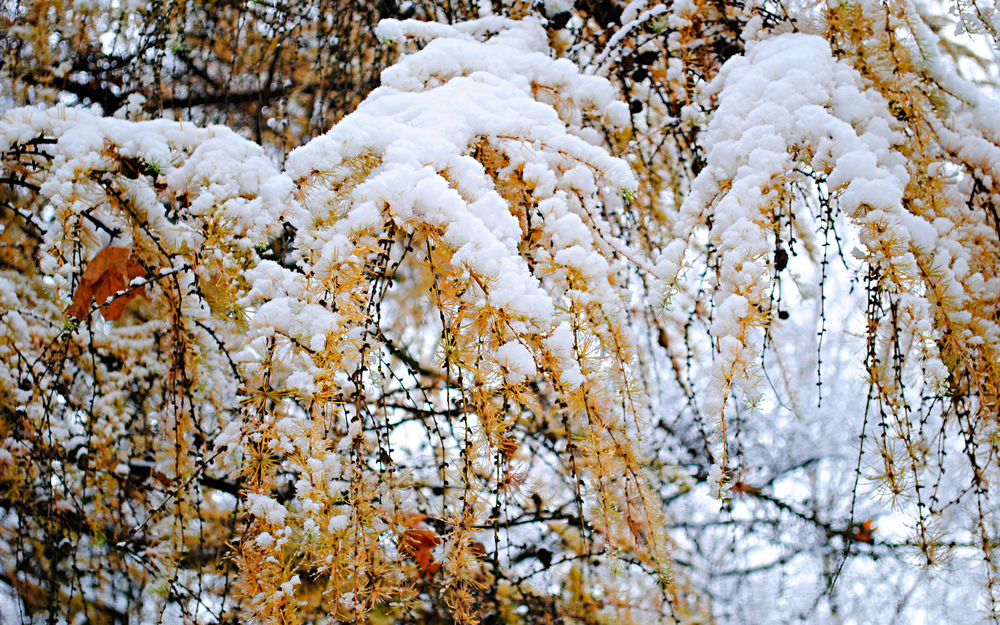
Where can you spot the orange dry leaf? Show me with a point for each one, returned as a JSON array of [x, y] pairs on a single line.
[[417, 543], [864, 532], [739, 486], [508, 446], [478, 550], [109, 272]]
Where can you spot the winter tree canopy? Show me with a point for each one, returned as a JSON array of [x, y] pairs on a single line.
[[512, 312]]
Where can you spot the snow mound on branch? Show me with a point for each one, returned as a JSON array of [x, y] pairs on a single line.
[[410, 156], [192, 204], [786, 107], [225, 176]]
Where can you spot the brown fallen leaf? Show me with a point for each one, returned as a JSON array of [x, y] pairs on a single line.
[[478, 550], [739, 486], [417, 542], [508, 446], [109, 272], [864, 532]]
